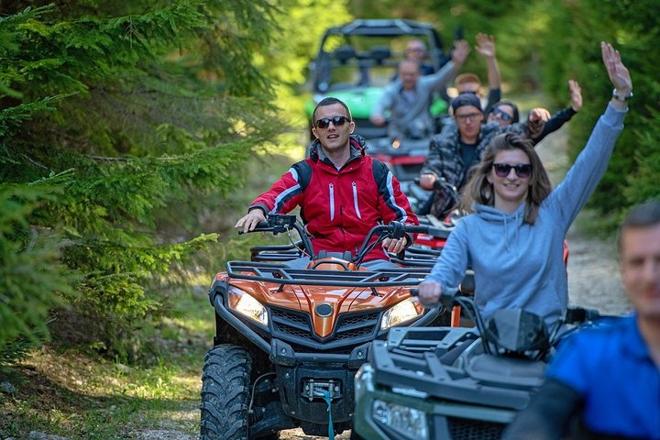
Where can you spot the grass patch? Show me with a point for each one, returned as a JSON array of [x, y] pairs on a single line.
[[74, 392], [78, 395]]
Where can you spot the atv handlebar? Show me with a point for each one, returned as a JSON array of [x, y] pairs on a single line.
[[395, 230], [278, 224], [573, 315], [448, 299]]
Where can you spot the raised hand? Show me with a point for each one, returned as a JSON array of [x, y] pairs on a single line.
[[460, 52], [536, 120], [538, 114], [576, 94], [618, 73], [486, 45]]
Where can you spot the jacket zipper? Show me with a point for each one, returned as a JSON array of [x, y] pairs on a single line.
[[355, 201], [332, 202]]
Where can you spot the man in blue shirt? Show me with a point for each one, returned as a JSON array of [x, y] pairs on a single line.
[[610, 375]]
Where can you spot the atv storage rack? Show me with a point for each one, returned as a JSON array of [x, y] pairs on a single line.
[[282, 274]]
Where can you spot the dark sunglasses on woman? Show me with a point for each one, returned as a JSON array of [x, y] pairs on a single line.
[[337, 121], [503, 169], [502, 115]]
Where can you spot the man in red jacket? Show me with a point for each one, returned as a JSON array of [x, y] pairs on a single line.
[[341, 191]]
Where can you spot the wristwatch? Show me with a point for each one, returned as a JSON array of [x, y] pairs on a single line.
[[616, 96]]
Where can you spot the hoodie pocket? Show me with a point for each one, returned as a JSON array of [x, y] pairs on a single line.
[[331, 188], [355, 201]]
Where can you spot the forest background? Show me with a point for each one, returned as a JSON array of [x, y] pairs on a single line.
[[127, 129]]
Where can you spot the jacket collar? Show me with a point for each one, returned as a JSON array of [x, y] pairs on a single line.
[[357, 145]]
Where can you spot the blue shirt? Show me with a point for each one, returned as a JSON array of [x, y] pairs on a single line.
[[611, 367]]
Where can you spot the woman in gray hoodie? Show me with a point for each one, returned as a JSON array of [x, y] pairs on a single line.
[[513, 237]]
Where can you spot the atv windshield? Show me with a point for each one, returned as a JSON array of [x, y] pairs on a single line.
[[366, 53]]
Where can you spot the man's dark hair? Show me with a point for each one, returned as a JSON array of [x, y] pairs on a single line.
[[641, 216], [516, 115], [330, 101]]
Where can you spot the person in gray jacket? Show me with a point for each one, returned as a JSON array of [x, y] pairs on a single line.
[[409, 97], [514, 235]]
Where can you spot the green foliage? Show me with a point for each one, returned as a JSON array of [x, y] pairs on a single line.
[[135, 111], [31, 278], [542, 44], [295, 44], [634, 169]]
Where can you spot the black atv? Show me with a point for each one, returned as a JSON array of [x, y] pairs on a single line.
[[456, 383], [293, 327]]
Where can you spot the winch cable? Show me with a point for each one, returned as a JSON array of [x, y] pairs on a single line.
[[328, 401]]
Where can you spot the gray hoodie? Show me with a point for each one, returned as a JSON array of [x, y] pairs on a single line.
[[518, 265]]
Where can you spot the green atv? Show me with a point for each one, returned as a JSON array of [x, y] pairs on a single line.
[[357, 60]]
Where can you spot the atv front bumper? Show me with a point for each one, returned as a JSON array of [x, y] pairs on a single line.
[[281, 352], [307, 376], [419, 417]]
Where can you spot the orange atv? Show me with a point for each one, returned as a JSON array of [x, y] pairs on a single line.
[[293, 327]]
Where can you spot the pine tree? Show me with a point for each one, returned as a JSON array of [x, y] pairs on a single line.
[[111, 114]]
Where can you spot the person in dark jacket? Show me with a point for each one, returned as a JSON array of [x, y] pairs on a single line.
[[341, 191], [506, 113], [453, 152]]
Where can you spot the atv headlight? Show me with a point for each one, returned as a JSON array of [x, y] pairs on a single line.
[[408, 421], [405, 311], [247, 305]]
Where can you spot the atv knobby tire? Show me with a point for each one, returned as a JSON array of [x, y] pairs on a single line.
[[225, 394]]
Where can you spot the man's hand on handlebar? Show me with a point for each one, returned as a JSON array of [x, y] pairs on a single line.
[[394, 245], [251, 220], [426, 181], [429, 292]]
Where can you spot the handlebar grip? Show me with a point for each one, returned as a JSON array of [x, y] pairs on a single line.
[[415, 229], [261, 226], [444, 300], [436, 232]]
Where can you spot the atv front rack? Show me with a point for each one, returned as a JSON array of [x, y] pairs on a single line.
[[284, 274]]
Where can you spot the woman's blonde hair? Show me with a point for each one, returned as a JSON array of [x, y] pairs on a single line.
[[480, 190]]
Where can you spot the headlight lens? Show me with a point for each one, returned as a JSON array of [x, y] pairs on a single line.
[[405, 311], [408, 421], [247, 305]]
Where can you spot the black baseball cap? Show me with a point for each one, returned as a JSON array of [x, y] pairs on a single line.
[[466, 98]]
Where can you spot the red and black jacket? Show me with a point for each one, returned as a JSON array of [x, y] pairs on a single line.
[[339, 207]]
